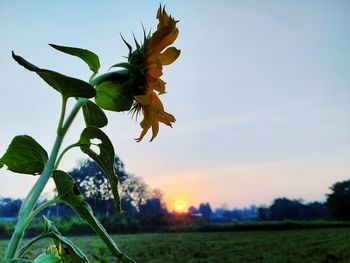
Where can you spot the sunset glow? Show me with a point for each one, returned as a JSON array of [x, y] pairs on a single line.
[[179, 206]]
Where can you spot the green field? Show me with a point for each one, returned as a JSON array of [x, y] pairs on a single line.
[[308, 245]]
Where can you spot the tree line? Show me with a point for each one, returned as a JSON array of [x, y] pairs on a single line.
[[144, 206]]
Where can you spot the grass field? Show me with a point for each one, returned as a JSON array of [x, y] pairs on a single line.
[[308, 245]]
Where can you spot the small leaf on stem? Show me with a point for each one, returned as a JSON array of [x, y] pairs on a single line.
[[105, 158], [67, 86], [24, 155], [89, 57], [94, 115], [69, 252], [70, 194]]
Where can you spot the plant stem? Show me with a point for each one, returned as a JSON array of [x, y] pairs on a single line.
[[63, 153], [34, 194], [34, 213], [38, 209], [102, 233], [63, 112]]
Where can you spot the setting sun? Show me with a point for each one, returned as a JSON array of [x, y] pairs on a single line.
[[179, 206]]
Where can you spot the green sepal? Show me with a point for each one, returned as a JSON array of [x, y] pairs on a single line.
[[67, 86], [24, 155], [69, 193], [89, 57], [117, 76], [71, 253], [126, 66], [127, 44], [94, 115], [105, 158]]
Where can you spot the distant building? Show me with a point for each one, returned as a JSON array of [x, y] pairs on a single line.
[[8, 219]]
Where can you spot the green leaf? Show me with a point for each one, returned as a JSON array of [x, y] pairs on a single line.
[[47, 258], [24, 155], [89, 57], [105, 158], [114, 96], [49, 225], [69, 193], [67, 86], [94, 115], [67, 189], [113, 91], [19, 260], [70, 252]]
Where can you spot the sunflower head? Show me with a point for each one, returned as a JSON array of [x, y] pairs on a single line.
[[153, 54], [142, 74]]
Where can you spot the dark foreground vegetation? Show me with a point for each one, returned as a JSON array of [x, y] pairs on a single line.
[[175, 223], [308, 245]]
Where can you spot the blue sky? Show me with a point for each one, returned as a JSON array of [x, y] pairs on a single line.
[[260, 93]]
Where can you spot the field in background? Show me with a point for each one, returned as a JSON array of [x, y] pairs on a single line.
[[308, 245]]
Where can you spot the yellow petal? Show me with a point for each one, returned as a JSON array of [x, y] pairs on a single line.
[[166, 118], [156, 84], [148, 118], [144, 99], [154, 71], [155, 129], [156, 104], [169, 55], [164, 19], [160, 86], [161, 39], [143, 133]]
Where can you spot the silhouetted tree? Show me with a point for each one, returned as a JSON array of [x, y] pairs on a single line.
[[152, 213], [314, 210], [9, 207], [338, 202], [192, 210], [96, 188], [263, 213], [205, 210], [283, 208]]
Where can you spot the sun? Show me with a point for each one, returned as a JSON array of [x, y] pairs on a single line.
[[179, 206]]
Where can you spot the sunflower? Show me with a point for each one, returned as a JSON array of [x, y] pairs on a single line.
[[153, 57], [136, 88]]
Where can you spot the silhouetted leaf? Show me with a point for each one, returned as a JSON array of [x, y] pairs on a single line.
[[24, 155], [94, 115], [67, 86], [69, 193], [89, 57], [105, 158], [67, 189], [69, 251]]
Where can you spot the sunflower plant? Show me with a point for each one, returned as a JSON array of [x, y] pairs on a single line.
[[135, 87]]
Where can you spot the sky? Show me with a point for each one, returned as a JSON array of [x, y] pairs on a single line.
[[260, 93]]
